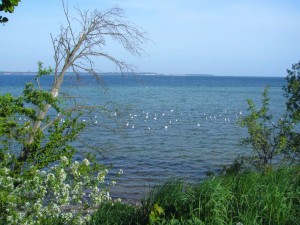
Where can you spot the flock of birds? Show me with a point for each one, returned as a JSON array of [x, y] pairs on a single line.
[[168, 119], [163, 120]]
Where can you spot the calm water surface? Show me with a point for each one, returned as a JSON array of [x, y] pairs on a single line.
[[160, 127]]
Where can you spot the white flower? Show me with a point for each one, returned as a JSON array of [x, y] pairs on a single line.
[[88, 217], [50, 177], [64, 160], [118, 200], [6, 171], [49, 189], [86, 162], [100, 177], [62, 175]]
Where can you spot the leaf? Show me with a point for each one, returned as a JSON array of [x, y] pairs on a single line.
[[9, 8]]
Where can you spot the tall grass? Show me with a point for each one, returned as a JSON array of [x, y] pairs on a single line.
[[269, 197]]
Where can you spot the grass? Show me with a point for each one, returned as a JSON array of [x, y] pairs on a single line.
[[269, 197]]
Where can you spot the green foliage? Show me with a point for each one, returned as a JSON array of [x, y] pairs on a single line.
[[173, 197], [8, 6], [37, 180], [18, 117], [273, 142], [292, 93], [267, 138], [292, 90], [116, 213], [56, 195], [156, 213], [266, 197]]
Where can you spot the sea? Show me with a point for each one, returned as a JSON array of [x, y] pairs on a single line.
[[157, 128]]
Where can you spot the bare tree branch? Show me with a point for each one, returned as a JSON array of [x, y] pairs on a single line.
[[76, 50]]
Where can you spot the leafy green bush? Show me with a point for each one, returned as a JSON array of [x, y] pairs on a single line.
[[267, 138], [274, 141], [57, 194]]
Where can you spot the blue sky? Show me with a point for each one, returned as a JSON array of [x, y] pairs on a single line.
[[232, 38]]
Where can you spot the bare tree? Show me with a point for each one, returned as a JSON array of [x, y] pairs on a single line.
[[79, 42]]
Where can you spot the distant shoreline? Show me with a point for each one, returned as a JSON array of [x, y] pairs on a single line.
[[113, 74], [8, 73]]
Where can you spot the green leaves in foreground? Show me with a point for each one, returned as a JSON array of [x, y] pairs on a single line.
[[39, 184], [8, 6], [267, 137], [33, 140], [274, 138]]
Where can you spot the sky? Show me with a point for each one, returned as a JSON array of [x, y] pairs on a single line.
[[226, 38]]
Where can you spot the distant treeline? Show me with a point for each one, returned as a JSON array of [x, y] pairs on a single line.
[[111, 74]]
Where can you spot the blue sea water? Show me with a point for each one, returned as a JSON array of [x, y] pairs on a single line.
[[160, 127]]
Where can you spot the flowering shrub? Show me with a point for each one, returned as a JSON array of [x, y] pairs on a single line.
[[65, 192]]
